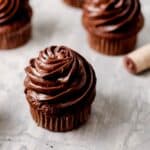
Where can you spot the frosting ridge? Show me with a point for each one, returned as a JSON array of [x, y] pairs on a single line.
[[8, 9]]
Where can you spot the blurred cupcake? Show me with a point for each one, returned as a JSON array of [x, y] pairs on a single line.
[[15, 23], [113, 25], [75, 3], [60, 88]]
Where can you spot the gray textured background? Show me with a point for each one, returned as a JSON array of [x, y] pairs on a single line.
[[121, 112]]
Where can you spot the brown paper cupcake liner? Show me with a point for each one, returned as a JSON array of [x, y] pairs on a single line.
[[112, 46], [15, 39], [74, 3], [61, 123]]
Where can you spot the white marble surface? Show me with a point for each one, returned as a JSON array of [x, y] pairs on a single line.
[[121, 113]]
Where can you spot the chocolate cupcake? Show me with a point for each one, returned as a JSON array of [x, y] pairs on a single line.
[[15, 23], [60, 88], [75, 3], [113, 25]]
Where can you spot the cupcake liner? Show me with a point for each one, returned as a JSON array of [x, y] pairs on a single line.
[[112, 46], [74, 3], [61, 123], [15, 38]]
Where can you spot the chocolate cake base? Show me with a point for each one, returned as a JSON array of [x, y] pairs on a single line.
[[112, 46], [15, 35], [61, 123]]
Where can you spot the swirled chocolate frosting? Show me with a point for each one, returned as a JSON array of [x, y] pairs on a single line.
[[10, 9], [60, 76], [106, 17]]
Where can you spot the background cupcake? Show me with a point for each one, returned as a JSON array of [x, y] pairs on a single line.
[[75, 3], [15, 23], [113, 25], [60, 88]]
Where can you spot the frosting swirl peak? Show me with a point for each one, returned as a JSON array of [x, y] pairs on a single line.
[[60, 76]]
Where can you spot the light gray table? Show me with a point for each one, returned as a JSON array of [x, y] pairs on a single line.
[[121, 113]]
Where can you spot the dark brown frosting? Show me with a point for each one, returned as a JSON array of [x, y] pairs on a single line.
[[59, 76], [106, 17], [11, 9], [8, 9]]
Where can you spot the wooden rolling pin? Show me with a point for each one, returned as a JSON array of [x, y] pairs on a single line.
[[138, 60]]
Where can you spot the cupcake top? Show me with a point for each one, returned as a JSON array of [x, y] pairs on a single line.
[[13, 9], [118, 18], [61, 78]]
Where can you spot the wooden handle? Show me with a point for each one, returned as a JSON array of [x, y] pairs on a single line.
[[139, 60]]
